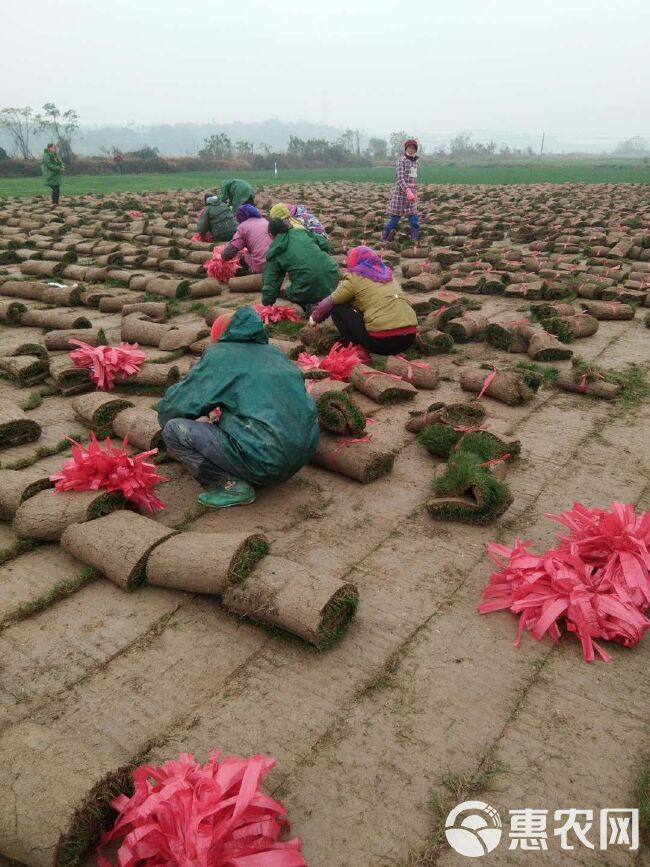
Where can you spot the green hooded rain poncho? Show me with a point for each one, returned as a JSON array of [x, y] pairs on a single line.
[[269, 420], [51, 168], [303, 255], [236, 192]]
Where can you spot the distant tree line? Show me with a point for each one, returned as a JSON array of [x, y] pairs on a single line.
[[219, 151]]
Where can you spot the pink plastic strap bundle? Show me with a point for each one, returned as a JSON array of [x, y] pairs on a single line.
[[107, 361], [596, 579], [135, 214], [220, 270], [92, 468], [276, 313], [202, 237], [192, 815], [338, 362]]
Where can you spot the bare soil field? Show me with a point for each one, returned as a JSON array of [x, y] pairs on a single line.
[[422, 703]]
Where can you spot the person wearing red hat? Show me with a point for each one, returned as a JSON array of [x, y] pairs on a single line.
[[404, 199]]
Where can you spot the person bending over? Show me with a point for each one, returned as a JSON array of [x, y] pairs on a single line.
[[267, 427], [216, 219], [236, 192], [303, 256], [368, 307], [253, 234], [299, 217]]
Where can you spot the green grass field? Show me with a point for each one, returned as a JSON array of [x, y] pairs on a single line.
[[552, 173]]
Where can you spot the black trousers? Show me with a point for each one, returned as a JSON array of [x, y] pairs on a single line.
[[56, 192], [352, 329]]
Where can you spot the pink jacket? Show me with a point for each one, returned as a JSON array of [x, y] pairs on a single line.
[[254, 235]]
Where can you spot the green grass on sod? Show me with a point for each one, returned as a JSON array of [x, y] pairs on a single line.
[[554, 173]]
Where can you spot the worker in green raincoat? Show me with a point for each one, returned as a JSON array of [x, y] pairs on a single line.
[[266, 428], [303, 256], [236, 192], [51, 169], [216, 219]]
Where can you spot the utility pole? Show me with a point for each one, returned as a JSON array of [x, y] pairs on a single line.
[[541, 150]]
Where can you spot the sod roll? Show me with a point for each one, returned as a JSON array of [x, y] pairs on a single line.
[[430, 341], [16, 428], [28, 289], [55, 320], [205, 562], [355, 458], [169, 288], [468, 326], [152, 375], [19, 485], [46, 515], [182, 338], [54, 809], [506, 386], [602, 309], [460, 415], [339, 414], [117, 545], [318, 387], [206, 288], [215, 312], [382, 387], [592, 385], [98, 410], [35, 268], [137, 328], [546, 347], [60, 340], [11, 311], [418, 373], [141, 426], [65, 296], [117, 303], [24, 370], [69, 378], [16, 346], [249, 283], [506, 336], [156, 311], [287, 595]]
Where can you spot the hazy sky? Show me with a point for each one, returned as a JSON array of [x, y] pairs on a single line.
[[564, 66]]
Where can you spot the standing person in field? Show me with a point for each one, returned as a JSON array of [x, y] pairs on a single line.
[[216, 220], [236, 192], [51, 169], [252, 233], [368, 307], [404, 199], [303, 256]]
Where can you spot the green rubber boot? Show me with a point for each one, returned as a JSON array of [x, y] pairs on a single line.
[[234, 492]]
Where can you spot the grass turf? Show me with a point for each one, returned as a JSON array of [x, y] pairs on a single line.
[[589, 171]]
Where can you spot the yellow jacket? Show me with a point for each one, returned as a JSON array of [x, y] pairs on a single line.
[[382, 304]]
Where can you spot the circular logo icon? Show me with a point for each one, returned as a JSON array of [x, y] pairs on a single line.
[[473, 829]]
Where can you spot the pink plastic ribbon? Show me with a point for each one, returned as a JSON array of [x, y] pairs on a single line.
[[410, 365], [487, 382]]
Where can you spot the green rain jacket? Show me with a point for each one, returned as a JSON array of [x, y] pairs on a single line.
[[235, 192], [269, 420], [303, 255], [51, 168], [217, 219]]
